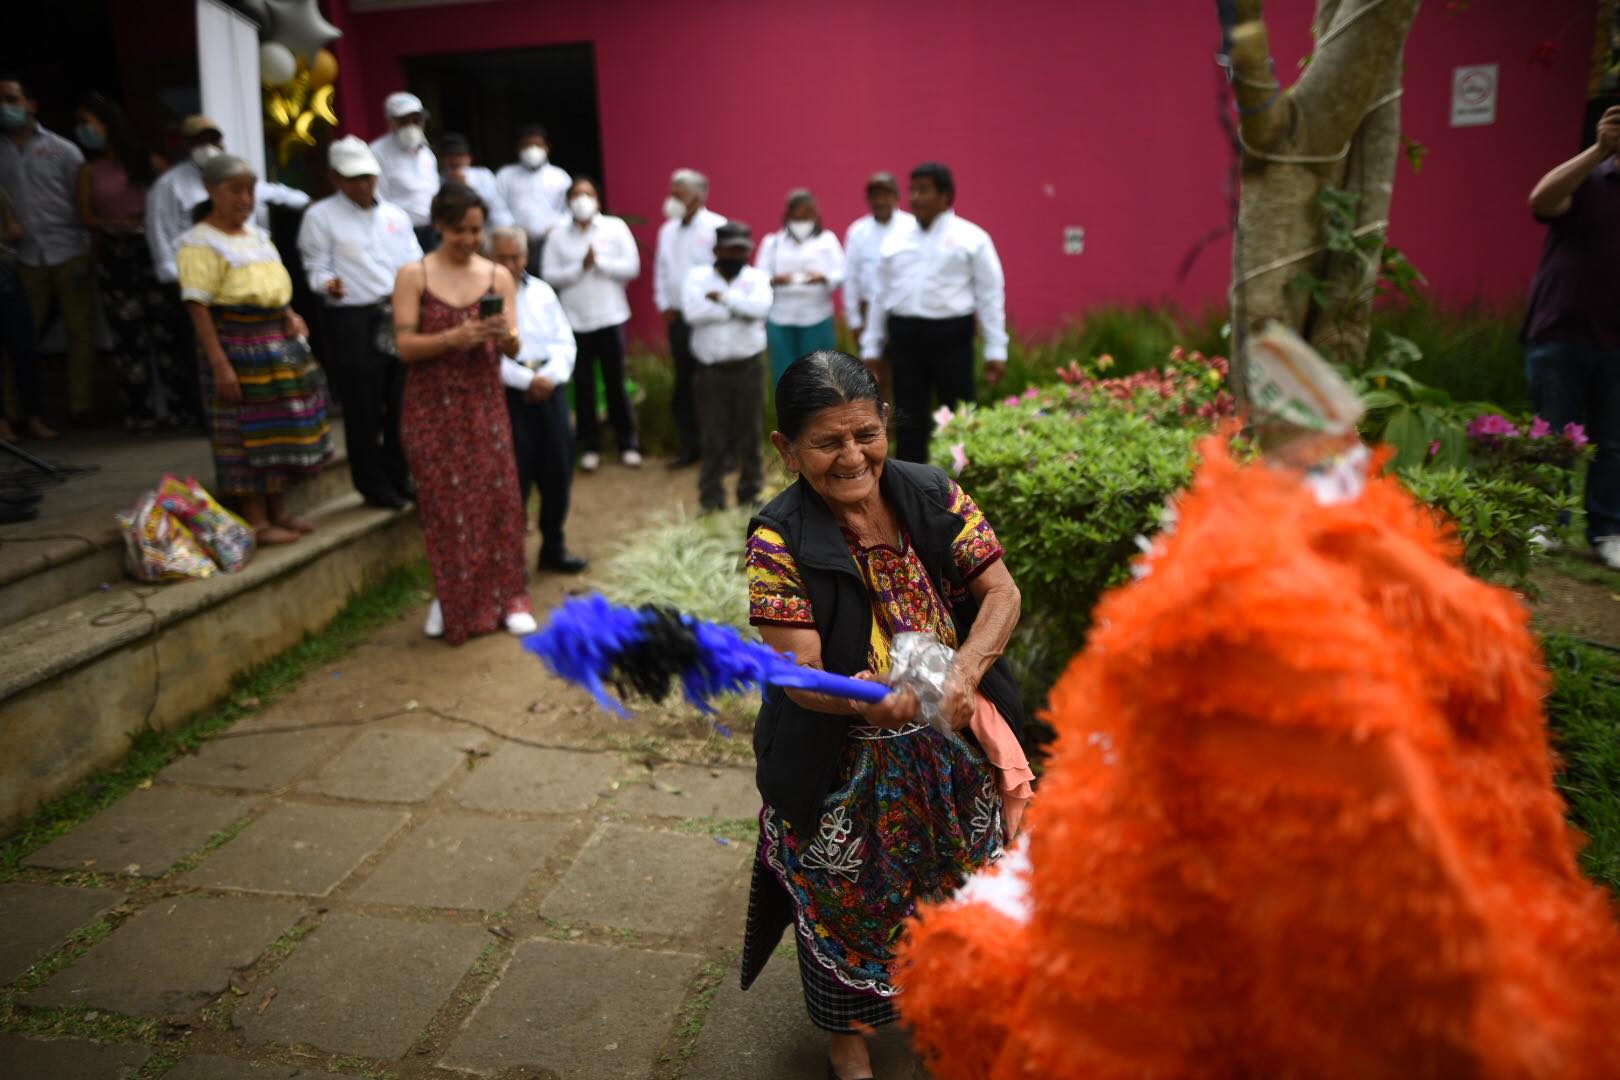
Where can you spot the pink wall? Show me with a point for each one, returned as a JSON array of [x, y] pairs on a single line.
[[1051, 113]]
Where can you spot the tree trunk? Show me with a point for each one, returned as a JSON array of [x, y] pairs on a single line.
[[1337, 126]]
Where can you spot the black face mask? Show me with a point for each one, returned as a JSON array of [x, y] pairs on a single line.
[[730, 267]]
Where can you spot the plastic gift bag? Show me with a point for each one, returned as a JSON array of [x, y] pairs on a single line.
[[227, 538], [158, 547]]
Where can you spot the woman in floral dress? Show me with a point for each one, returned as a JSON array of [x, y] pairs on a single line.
[[454, 428]]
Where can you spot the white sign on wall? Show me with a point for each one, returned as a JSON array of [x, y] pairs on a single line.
[[1473, 95]]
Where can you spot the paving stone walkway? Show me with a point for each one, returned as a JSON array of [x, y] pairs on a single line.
[[419, 863]]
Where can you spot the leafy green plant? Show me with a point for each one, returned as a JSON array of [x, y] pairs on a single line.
[[1583, 713], [1496, 517], [691, 564]]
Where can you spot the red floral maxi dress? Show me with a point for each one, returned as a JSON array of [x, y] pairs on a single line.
[[458, 442]]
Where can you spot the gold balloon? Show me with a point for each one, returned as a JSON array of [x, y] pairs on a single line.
[[321, 105], [296, 139], [323, 69], [277, 109]]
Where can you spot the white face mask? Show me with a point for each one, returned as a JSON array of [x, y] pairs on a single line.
[[674, 209], [205, 153], [533, 157], [411, 137], [801, 230], [583, 207]]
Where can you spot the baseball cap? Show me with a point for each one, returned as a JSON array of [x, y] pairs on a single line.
[[350, 157], [734, 233], [402, 103], [195, 125]]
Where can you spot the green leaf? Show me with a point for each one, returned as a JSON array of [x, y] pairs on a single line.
[[1392, 374], [1381, 399], [1406, 433]]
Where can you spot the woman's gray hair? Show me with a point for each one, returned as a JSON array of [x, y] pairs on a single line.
[[691, 179], [222, 167], [823, 379], [506, 232]]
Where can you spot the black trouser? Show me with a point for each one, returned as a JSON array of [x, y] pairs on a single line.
[[925, 356], [731, 416], [370, 385], [604, 347], [537, 249], [183, 340], [686, 417], [17, 342], [545, 458]]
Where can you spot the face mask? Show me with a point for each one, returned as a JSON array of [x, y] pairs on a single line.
[[90, 138], [729, 267], [801, 230], [205, 153], [583, 207], [674, 209], [412, 137], [13, 117], [533, 157]]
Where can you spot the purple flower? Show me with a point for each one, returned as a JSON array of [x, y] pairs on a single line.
[[1576, 434], [1010, 400], [1492, 425], [1434, 448], [1031, 394], [1539, 428], [959, 458]]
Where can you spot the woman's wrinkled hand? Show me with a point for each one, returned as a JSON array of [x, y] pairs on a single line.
[[295, 325], [227, 387], [897, 710], [957, 707]]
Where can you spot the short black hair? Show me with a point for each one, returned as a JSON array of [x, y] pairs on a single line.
[[821, 380], [940, 175], [22, 83], [453, 202], [453, 142], [591, 180], [526, 130], [122, 142]]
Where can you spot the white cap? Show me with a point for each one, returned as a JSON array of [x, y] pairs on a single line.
[[403, 103], [350, 156]]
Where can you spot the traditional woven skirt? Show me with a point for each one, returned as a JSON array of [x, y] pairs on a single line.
[[912, 813], [278, 432]]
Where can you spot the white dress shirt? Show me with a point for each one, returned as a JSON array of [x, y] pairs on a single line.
[[177, 193], [42, 179], [802, 303], [945, 271], [409, 178], [682, 245], [547, 344], [361, 247], [592, 298], [538, 198], [862, 243], [733, 327], [482, 181]]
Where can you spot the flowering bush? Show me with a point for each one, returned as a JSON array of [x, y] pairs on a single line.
[[1187, 385]]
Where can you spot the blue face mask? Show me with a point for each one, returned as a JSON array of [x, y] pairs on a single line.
[[13, 117], [90, 138]]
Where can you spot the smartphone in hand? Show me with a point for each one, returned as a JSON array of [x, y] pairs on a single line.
[[490, 305]]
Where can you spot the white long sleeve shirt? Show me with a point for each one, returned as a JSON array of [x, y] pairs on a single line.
[[682, 246], [482, 181], [409, 178], [732, 327], [178, 192], [42, 181], [802, 303], [361, 247], [945, 271], [538, 198], [592, 298], [862, 244], [547, 344]]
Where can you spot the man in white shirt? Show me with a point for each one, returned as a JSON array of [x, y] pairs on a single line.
[[936, 276], [725, 305], [455, 163], [353, 245], [535, 190], [685, 241], [410, 172], [39, 171], [864, 240], [537, 401]]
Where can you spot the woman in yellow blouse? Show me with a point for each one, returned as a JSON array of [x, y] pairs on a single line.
[[264, 395]]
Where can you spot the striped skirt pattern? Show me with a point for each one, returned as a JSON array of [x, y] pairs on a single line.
[[278, 431]]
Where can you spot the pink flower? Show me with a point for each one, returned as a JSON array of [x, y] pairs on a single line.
[[1492, 425], [1434, 448], [959, 459], [1010, 400], [1539, 428], [943, 415], [1032, 393], [1576, 434]]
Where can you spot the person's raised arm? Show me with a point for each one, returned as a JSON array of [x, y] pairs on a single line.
[[804, 645], [616, 255], [1554, 193]]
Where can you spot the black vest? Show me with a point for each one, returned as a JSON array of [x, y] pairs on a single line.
[[796, 750]]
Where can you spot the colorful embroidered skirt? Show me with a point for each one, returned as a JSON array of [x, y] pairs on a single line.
[[278, 431], [912, 814]]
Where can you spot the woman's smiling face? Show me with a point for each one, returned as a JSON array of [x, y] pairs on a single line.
[[840, 452]]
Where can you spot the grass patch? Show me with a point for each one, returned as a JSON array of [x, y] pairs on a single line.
[[224, 836], [92, 1024], [1575, 564], [1583, 714], [151, 750], [738, 830], [695, 1010]]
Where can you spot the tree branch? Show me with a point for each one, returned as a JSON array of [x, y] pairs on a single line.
[[1338, 85], [1263, 112]]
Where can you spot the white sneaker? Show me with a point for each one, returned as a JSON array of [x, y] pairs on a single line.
[[434, 627], [1607, 549], [631, 459], [521, 623], [590, 462]]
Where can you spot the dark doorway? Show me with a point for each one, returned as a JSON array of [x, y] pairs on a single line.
[[488, 95]]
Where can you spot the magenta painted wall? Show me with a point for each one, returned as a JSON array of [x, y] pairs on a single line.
[[1051, 113]]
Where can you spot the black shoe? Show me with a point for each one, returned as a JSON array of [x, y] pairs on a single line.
[[406, 491], [684, 459], [388, 500], [566, 563]]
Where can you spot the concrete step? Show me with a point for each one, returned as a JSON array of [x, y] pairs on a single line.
[[78, 679], [76, 555]]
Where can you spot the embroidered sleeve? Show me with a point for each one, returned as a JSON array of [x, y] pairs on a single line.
[[976, 546], [202, 272], [776, 594]]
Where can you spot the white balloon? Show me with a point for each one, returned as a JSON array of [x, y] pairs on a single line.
[[298, 25], [277, 65]]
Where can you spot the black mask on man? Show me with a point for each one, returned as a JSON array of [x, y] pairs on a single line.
[[729, 267]]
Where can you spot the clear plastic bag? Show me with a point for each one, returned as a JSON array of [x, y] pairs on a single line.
[[226, 537], [919, 663], [158, 546]]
